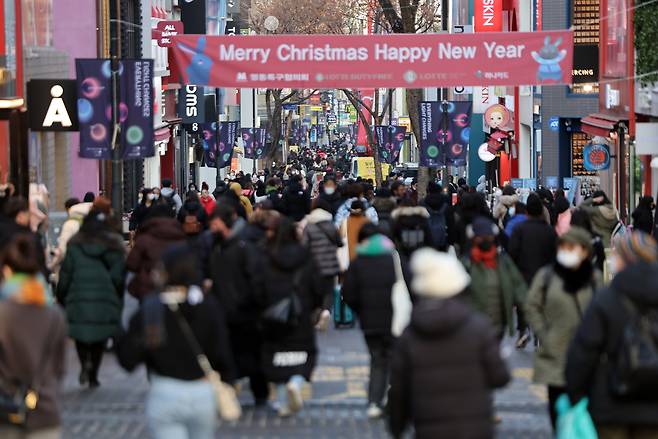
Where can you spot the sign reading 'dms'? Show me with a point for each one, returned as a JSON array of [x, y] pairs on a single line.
[[396, 60]]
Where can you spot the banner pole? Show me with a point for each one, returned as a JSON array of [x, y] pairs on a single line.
[[253, 130], [117, 168]]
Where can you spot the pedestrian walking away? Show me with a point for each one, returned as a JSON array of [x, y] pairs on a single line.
[[32, 342], [90, 289], [446, 364]]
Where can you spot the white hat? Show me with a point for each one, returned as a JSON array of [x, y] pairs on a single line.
[[437, 274]]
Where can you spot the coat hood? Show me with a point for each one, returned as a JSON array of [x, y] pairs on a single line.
[[433, 317], [410, 211], [318, 216], [289, 257], [376, 245], [167, 192], [640, 283], [163, 228], [80, 210]]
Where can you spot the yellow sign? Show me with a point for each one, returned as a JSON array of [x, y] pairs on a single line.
[[364, 167], [316, 107], [405, 122]]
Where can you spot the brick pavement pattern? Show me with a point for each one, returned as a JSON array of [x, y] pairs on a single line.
[[334, 407]]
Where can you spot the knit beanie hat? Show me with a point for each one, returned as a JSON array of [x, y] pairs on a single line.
[[436, 274], [637, 247], [482, 226], [578, 235]]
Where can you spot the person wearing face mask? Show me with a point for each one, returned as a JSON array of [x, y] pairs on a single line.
[[496, 284], [558, 297], [330, 194], [621, 406]]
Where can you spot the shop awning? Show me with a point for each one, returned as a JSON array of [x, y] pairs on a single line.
[[598, 124], [162, 134]]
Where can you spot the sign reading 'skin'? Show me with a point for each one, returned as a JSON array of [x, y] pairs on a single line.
[[52, 105]]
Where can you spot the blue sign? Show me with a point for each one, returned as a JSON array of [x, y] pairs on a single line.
[[554, 123], [290, 106], [530, 183], [551, 182], [596, 157], [517, 183], [570, 185]]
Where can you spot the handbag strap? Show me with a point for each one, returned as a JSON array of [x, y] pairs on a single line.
[[201, 358], [397, 264]]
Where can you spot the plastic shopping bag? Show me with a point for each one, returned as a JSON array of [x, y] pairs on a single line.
[[574, 422]]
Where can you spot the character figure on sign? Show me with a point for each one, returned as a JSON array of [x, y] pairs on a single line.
[[498, 117], [198, 71], [549, 58]]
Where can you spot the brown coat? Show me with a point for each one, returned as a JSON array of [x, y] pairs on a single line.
[[153, 239], [350, 231], [24, 332]]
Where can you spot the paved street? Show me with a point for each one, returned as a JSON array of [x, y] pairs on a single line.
[[335, 405]]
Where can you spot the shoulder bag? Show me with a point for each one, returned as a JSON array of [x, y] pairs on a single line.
[[17, 401], [400, 299], [228, 406]]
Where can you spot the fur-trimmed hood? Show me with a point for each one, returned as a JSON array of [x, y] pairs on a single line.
[[437, 274], [410, 211]]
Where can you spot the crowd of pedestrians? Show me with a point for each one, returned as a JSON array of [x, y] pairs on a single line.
[[244, 276]]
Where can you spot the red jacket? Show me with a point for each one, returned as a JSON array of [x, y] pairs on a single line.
[[208, 204]]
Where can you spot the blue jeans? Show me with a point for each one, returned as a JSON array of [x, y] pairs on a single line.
[[177, 409]]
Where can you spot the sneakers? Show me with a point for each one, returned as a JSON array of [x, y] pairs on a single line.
[[295, 401], [323, 321], [374, 411]]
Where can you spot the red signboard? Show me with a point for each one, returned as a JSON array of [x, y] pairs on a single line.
[[165, 30], [394, 60], [488, 15]]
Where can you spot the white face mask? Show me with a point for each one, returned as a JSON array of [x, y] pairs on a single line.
[[329, 190], [151, 197], [568, 258]]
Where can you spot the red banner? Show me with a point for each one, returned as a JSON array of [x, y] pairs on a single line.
[[488, 15], [385, 61]]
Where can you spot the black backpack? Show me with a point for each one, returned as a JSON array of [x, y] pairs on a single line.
[[634, 372], [438, 227], [169, 200]]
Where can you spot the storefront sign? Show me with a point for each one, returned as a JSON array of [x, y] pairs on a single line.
[[52, 105], [554, 123], [445, 129], [165, 30], [392, 60], [585, 64], [488, 15], [483, 97], [191, 105], [596, 157]]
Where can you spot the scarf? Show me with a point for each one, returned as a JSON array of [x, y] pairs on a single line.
[[574, 280], [27, 289], [488, 258]]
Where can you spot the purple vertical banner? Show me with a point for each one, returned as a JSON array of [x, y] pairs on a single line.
[[228, 131], [93, 81], [253, 141], [136, 109], [445, 129], [247, 135], [460, 132], [209, 135], [390, 139]]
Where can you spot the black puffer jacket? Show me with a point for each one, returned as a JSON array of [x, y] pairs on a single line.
[[385, 207], [599, 337], [334, 200], [368, 283], [533, 245], [288, 353], [296, 202], [445, 366], [323, 240], [411, 229]]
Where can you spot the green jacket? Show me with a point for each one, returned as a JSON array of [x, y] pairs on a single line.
[[512, 285], [604, 219], [90, 288], [554, 317]]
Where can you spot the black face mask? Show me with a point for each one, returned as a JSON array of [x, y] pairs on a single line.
[[486, 246]]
